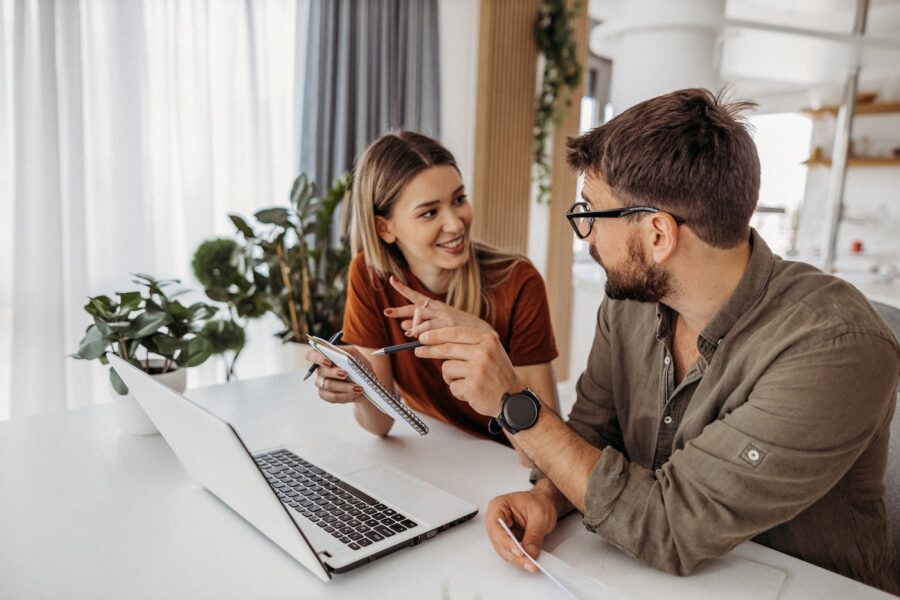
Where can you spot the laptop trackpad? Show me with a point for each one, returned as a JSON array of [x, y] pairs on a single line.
[[423, 502]]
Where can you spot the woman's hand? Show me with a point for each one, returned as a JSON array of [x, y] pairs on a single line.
[[332, 383], [425, 314]]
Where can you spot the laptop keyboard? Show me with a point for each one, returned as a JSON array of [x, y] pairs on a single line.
[[352, 517]]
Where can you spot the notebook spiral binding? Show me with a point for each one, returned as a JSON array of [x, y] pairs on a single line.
[[392, 400]]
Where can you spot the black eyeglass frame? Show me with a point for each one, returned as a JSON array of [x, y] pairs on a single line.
[[613, 213]]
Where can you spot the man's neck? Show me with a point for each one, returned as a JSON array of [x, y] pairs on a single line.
[[706, 283]]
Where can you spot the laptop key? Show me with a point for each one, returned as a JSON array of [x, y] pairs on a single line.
[[389, 512], [408, 524], [354, 546], [344, 540], [384, 531], [371, 522], [398, 527], [322, 524], [374, 536], [364, 542], [355, 535]]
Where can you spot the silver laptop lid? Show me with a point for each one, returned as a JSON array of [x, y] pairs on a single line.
[[214, 454]]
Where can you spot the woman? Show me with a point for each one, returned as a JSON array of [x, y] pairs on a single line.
[[416, 268]]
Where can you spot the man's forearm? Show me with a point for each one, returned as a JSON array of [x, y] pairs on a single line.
[[563, 456]]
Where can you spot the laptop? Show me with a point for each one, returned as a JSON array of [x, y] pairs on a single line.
[[332, 514]]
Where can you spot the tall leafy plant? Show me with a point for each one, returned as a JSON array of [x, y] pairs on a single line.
[[291, 254]]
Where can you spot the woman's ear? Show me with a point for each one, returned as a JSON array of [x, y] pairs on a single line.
[[383, 227]]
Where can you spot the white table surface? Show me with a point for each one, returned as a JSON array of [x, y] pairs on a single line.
[[88, 512]]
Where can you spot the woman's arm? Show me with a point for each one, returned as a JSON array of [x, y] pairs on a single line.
[[541, 380]]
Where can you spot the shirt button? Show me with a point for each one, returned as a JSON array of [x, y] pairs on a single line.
[[720, 342], [753, 455], [666, 361], [668, 421]]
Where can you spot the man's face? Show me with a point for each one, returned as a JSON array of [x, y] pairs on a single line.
[[616, 245]]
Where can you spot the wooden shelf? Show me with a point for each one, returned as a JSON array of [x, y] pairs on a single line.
[[868, 161], [869, 108]]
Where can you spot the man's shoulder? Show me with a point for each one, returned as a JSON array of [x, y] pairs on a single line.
[[800, 293]]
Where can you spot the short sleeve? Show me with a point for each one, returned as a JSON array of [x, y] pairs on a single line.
[[363, 320], [531, 339]]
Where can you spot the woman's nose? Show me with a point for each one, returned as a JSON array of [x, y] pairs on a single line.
[[453, 224]]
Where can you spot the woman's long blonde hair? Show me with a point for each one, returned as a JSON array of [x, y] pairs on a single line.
[[388, 164]]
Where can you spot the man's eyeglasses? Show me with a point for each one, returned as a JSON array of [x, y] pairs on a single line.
[[581, 217]]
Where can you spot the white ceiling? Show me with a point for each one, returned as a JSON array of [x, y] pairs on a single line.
[[778, 65]]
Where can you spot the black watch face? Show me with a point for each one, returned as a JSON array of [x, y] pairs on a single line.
[[520, 411]]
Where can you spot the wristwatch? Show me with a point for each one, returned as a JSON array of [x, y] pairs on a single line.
[[518, 412]]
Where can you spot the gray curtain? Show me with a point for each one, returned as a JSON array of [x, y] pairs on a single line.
[[371, 66]]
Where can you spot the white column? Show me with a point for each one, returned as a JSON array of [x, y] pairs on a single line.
[[659, 46]]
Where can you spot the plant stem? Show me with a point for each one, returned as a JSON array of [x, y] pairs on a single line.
[[285, 276]]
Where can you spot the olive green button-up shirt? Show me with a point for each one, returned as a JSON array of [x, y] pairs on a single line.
[[778, 433]]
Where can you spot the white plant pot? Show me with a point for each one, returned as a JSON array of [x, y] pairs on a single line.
[[130, 417]]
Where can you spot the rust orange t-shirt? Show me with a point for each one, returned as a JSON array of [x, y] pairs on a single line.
[[520, 315]]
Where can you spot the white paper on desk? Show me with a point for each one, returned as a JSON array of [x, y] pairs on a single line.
[[567, 580], [727, 578]]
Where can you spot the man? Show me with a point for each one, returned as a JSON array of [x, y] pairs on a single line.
[[729, 395]]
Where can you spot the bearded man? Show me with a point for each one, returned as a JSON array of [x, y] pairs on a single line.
[[729, 395]]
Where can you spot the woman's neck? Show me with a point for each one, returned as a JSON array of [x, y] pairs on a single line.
[[435, 279]]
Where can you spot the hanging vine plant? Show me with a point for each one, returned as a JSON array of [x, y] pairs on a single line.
[[555, 40]]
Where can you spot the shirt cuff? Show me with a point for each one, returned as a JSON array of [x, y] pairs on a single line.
[[615, 486]]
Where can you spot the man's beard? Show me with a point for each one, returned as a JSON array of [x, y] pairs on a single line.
[[637, 279]]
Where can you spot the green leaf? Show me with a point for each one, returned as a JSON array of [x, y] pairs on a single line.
[[166, 345], [149, 322], [179, 311], [117, 382], [129, 301], [93, 345], [274, 216], [241, 225], [196, 352], [101, 306]]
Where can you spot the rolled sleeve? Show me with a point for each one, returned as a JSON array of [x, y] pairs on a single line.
[[806, 421]]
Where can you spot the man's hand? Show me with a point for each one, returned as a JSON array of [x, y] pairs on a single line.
[[477, 368], [529, 515]]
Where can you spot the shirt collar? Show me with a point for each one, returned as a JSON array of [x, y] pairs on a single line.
[[748, 291]]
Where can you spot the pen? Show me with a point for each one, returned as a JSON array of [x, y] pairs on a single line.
[[397, 348], [332, 340]]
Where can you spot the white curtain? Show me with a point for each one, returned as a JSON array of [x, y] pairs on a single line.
[[128, 131]]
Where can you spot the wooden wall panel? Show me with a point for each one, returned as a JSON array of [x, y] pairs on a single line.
[[501, 194], [507, 64]]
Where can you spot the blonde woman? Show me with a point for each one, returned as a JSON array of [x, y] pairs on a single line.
[[416, 268]]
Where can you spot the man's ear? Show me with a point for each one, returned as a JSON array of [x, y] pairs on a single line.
[[383, 227], [663, 234]]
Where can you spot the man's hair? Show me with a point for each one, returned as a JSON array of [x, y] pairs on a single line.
[[688, 153]]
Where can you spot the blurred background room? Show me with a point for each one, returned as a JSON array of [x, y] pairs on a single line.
[[131, 132]]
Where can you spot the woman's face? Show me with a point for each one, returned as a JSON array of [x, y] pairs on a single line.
[[430, 221]]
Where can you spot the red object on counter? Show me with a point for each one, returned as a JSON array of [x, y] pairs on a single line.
[[856, 247]]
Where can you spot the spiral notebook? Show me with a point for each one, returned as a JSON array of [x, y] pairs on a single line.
[[387, 402]]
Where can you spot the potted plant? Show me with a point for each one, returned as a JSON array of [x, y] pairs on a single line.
[[151, 330], [222, 267], [290, 258]]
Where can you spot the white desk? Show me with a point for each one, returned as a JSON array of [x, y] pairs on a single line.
[[87, 512]]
